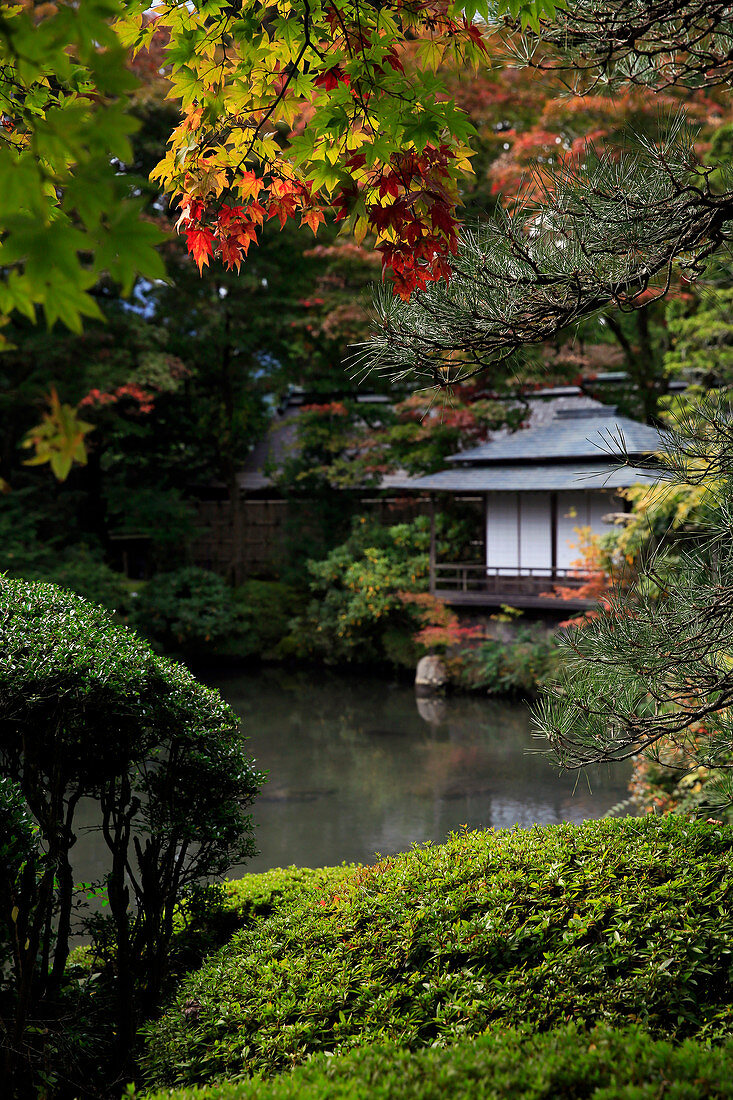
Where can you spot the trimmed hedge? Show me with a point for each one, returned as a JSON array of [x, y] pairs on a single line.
[[210, 916], [611, 921], [260, 895], [603, 1064]]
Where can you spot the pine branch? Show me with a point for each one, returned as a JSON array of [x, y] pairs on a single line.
[[652, 673], [602, 235], [657, 43]]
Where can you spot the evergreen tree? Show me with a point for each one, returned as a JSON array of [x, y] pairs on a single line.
[[611, 229], [652, 671]]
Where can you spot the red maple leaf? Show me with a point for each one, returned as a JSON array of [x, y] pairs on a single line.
[[344, 200], [228, 214], [404, 283], [475, 35], [389, 184], [231, 252], [357, 160], [191, 211], [200, 243], [283, 209], [380, 216], [441, 218], [414, 231], [331, 78], [392, 59]]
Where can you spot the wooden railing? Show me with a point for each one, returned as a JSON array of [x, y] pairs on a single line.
[[500, 581]]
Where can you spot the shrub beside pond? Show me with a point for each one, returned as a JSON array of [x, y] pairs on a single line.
[[519, 666], [195, 613], [190, 611], [87, 710], [608, 922]]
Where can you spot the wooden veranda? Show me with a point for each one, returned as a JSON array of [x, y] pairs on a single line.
[[475, 585]]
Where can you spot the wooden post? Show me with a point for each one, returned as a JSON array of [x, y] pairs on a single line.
[[432, 544], [553, 534]]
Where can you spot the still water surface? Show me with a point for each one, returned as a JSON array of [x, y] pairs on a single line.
[[357, 765]]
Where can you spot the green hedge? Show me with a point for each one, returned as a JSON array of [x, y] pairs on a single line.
[[257, 896], [603, 1064], [611, 921]]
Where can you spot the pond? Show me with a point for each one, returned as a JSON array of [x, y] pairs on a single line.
[[358, 766]]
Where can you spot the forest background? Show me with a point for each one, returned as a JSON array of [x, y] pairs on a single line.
[[181, 376]]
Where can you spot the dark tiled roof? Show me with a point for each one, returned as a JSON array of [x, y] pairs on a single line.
[[567, 438], [545, 477]]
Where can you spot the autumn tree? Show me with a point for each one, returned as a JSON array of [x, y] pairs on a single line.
[[609, 232], [527, 124], [313, 110]]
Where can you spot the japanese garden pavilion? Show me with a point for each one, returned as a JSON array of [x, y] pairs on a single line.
[[540, 485]]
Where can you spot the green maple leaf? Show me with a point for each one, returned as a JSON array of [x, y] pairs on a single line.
[[58, 439]]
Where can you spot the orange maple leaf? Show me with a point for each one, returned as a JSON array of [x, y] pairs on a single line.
[[283, 209], [256, 212], [313, 216], [280, 188], [193, 121], [249, 186]]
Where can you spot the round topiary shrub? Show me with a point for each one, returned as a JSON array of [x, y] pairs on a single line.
[[87, 709]]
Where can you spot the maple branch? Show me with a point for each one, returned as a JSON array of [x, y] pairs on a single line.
[[281, 94]]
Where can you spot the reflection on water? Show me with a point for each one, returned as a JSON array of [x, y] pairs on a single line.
[[358, 765]]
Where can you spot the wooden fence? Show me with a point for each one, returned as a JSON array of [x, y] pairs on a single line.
[[267, 526]]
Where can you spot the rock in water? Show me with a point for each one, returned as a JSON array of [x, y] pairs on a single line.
[[431, 675]]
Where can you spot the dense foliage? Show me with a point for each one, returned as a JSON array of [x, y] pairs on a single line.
[[67, 215], [88, 710], [356, 610], [567, 1061], [594, 923]]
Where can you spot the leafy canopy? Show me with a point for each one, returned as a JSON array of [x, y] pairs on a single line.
[[66, 215], [310, 107]]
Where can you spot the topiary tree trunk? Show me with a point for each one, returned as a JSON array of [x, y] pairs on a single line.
[[87, 709]]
